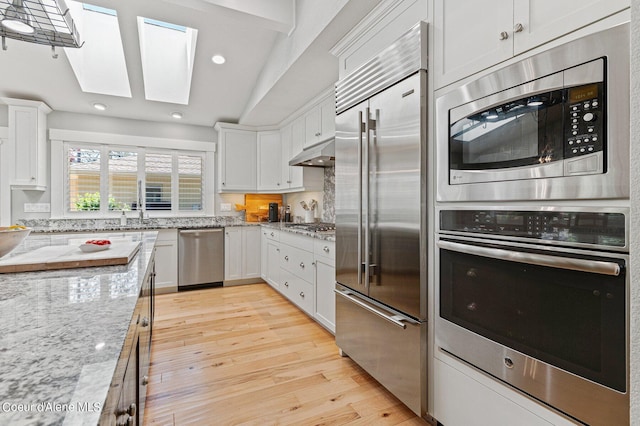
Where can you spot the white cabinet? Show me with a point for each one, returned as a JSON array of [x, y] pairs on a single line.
[[465, 44], [167, 261], [28, 139], [296, 178], [320, 122], [241, 253], [302, 269], [237, 158], [270, 161], [325, 280], [270, 257]]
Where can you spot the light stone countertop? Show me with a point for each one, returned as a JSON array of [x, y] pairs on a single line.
[[62, 332], [321, 235]]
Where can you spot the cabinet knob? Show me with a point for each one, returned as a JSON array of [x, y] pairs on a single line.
[[288, 181], [504, 35], [313, 263], [278, 184], [302, 294], [318, 134], [145, 322], [286, 284], [302, 265], [325, 249], [145, 380], [518, 28], [272, 234], [286, 258]]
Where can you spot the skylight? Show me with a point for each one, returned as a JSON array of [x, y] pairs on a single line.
[[167, 51], [99, 66]]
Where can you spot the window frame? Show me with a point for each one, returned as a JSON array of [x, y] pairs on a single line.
[[61, 140]]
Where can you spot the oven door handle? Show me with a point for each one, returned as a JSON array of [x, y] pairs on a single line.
[[583, 265], [397, 320]]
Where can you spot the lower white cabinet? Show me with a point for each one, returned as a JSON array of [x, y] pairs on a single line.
[[167, 261], [301, 268], [241, 253]]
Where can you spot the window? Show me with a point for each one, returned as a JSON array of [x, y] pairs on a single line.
[[103, 179]]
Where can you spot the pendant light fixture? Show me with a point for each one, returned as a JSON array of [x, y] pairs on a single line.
[[16, 18]]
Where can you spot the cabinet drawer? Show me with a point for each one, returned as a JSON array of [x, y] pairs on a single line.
[[299, 241], [296, 261], [298, 291], [325, 250], [271, 233]]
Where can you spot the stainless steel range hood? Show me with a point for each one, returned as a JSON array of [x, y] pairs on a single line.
[[321, 155]]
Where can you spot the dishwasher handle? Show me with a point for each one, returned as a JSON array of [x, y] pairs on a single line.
[[196, 232]]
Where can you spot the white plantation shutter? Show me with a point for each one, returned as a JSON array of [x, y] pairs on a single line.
[[83, 179], [102, 179], [158, 173], [123, 179], [190, 182]]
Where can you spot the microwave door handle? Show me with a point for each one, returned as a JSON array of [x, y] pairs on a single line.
[[593, 266]]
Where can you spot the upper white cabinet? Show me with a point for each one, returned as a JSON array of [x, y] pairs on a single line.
[[28, 137], [270, 161], [465, 44], [237, 158], [320, 122], [296, 178]]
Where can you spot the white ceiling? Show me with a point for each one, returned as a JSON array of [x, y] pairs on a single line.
[[245, 89]]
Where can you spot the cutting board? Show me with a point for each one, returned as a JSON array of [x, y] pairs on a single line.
[[69, 256]]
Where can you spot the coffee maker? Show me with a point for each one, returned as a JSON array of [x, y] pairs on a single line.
[[273, 212]]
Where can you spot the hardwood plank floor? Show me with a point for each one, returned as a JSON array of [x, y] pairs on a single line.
[[244, 355]]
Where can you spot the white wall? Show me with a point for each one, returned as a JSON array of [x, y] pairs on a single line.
[[634, 269], [95, 123]]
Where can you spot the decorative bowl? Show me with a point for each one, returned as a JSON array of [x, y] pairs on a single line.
[[91, 248], [11, 237]]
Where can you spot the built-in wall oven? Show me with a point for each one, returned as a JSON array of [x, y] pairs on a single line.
[[539, 299], [553, 126]]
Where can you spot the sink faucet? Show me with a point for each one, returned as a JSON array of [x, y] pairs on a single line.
[[140, 209]]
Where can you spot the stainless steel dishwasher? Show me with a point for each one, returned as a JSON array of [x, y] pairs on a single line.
[[200, 258]]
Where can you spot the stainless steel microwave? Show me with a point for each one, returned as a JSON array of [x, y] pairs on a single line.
[[553, 126]]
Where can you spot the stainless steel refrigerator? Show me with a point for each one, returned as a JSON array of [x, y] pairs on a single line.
[[380, 184]]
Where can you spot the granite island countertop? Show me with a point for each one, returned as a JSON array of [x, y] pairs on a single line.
[[62, 332]]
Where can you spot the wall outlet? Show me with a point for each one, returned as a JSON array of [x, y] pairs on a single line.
[[37, 207], [225, 207]]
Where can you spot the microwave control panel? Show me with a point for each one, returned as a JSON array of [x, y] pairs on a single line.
[[584, 120], [599, 228]]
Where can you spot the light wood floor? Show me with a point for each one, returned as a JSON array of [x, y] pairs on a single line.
[[245, 355]]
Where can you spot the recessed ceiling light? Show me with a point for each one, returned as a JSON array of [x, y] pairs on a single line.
[[99, 106], [176, 115], [218, 59]]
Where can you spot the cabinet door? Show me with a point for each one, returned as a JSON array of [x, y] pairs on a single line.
[[233, 253], [285, 144], [328, 118], [238, 156], [27, 131], [273, 264], [466, 43], [545, 20], [269, 161], [312, 127], [167, 261], [325, 312], [251, 251]]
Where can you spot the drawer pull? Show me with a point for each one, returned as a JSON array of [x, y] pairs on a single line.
[[325, 249], [302, 265], [286, 258], [302, 294], [286, 284]]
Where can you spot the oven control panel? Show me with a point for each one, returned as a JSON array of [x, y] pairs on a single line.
[[584, 120], [576, 227]]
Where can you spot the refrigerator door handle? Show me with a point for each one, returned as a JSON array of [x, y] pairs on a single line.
[[362, 129], [370, 125], [397, 320]]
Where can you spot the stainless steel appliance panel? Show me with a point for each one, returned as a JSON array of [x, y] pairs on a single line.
[[200, 257], [394, 195], [600, 175], [349, 190], [386, 343]]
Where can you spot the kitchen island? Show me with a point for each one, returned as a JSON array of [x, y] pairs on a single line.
[[66, 335]]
